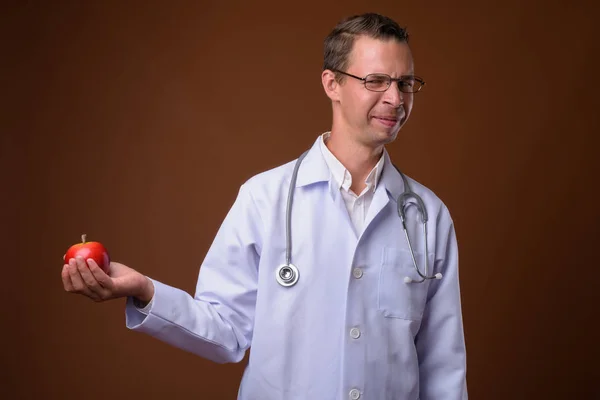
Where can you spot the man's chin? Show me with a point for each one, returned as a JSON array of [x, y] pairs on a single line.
[[389, 135], [380, 138]]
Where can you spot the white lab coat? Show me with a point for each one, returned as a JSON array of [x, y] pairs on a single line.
[[351, 327]]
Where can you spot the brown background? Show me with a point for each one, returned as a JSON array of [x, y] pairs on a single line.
[[136, 122]]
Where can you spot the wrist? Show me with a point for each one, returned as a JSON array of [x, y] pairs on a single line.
[[146, 291]]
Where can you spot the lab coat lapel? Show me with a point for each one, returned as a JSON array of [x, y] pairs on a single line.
[[390, 186], [340, 206], [314, 169]]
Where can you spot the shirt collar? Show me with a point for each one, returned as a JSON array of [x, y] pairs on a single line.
[[340, 174]]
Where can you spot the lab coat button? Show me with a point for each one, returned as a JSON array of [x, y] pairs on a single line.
[[354, 394], [357, 273], [355, 333]]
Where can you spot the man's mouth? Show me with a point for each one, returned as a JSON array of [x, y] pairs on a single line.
[[387, 120]]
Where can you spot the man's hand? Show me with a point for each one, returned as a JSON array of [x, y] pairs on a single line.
[[88, 279]]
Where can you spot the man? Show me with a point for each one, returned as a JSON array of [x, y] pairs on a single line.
[[349, 318]]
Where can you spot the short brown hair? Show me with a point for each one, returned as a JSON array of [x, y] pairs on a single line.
[[339, 43]]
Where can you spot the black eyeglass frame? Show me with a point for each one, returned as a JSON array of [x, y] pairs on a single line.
[[389, 79]]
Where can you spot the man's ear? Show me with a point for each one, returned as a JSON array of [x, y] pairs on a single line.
[[330, 85]]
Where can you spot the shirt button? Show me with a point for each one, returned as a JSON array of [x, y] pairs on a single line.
[[357, 273], [355, 333], [354, 394]]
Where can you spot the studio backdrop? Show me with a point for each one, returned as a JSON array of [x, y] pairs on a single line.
[[136, 123]]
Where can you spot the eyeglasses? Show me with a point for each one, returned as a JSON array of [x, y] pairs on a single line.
[[381, 82]]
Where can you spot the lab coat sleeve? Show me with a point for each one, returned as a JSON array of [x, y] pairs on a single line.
[[217, 322], [440, 342]]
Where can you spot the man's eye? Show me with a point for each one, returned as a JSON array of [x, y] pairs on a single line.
[[376, 81]]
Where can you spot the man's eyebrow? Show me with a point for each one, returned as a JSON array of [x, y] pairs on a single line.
[[408, 75]]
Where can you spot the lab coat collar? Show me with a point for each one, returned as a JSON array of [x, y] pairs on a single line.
[[342, 177], [314, 169]]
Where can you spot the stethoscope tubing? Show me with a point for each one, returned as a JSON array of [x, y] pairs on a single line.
[[288, 275]]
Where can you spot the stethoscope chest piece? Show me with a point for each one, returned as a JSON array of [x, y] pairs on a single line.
[[287, 275]]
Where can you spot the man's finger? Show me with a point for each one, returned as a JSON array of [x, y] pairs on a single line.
[[88, 278], [79, 285], [101, 277], [66, 278], [74, 275]]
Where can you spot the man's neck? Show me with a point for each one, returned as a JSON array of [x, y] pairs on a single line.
[[358, 159]]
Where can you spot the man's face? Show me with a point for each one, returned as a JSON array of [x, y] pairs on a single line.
[[374, 118]]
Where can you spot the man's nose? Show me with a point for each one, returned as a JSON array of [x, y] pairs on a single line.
[[394, 96]]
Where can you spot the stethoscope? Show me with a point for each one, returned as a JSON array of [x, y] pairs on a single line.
[[288, 275]]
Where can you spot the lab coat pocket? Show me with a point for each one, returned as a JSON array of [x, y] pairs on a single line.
[[396, 298]]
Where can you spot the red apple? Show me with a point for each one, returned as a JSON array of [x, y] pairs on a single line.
[[93, 250]]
